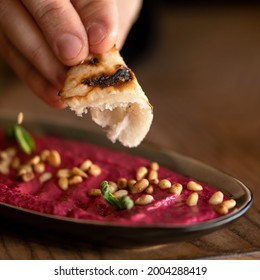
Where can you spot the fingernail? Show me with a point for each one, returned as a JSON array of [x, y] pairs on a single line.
[[68, 46], [96, 33]]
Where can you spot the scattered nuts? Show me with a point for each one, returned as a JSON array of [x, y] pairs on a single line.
[[230, 203], [63, 173], [176, 189], [153, 177], [86, 165], [76, 179], [221, 209], [194, 186], [34, 160], [28, 176], [11, 151], [144, 199], [78, 171], [120, 193], [15, 164], [141, 173], [149, 190], [94, 192], [164, 184], [139, 186], [39, 167], [130, 183], [20, 118], [63, 183], [54, 158], [122, 183], [44, 155], [23, 169], [45, 177], [112, 186], [216, 198], [192, 199], [154, 166], [94, 170]]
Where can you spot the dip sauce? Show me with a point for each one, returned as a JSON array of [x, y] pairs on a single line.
[[49, 198]]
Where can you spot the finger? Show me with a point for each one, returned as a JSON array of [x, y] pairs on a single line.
[[29, 74], [100, 19], [23, 33], [62, 27]]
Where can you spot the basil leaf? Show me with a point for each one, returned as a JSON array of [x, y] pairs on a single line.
[[124, 202], [28, 138], [10, 132], [24, 139]]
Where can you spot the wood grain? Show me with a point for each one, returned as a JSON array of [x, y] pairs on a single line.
[[202, 76]]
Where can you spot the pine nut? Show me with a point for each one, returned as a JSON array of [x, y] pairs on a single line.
[[112, 186], [192, 199], [94, 192], [85, 165], [25, 168], [78, 171], [149, 190], [54, 158], [176, 188], [63, 173], [44, 155], [153, 177], [45, 177], [194, 186], [230, 203], [63, 183], [26, 177], [4, 169], [216, 198], [164, 184], [144, 199], [94, 170], [76, 179], [20, 118], [221, 209], [122, 183], [15, 164], [130, 183], [140, 186], [4, 155], [34, 160], [11, 151], [154, 166], [120, 193], [141, 173], [39, 167]]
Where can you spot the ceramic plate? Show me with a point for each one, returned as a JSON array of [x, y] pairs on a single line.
[[128, 236]]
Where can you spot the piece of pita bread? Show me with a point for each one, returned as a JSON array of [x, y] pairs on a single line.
[[109, 90]]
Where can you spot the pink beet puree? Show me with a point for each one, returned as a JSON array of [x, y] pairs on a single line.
[[75, 203]]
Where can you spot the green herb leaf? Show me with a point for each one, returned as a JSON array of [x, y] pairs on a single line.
[[22, 136], [10, 132], [124, 202], [127, 202]]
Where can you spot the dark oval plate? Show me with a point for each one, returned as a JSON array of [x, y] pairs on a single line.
[[125, 235]]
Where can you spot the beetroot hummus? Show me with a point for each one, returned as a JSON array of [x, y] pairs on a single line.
[[74, 201]]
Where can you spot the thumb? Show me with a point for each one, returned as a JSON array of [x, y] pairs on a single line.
[[100, 19]]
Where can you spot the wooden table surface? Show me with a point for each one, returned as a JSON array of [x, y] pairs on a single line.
[[203, 77]]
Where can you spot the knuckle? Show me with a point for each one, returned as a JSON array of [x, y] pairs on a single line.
[[35, 53], [49, 13]]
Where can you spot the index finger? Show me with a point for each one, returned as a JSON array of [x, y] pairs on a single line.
[[62, 28]]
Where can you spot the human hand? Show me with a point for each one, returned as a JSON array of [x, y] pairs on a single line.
[[39, 39]]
